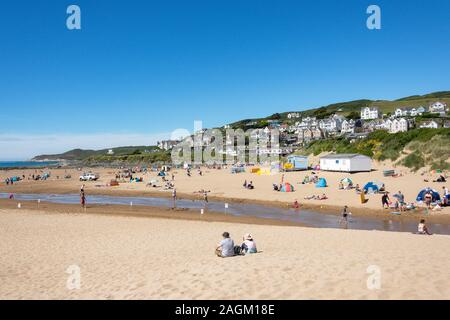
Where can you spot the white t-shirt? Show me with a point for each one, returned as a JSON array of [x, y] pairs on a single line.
[[421, 228], [251, 245]]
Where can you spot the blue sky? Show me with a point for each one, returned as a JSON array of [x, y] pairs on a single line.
[[139, 69]]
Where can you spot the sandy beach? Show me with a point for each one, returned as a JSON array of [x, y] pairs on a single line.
[[226, 186], [139, 258]]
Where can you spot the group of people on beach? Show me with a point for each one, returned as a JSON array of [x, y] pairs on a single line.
[[226, 248]]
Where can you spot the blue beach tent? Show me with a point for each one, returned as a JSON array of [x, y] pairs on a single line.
[[322, 183], [371, 187], [435, 195]]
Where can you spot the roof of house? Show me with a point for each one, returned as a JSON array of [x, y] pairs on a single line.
[[342, 156]]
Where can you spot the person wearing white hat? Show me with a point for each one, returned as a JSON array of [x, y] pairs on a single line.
[[249, 245]]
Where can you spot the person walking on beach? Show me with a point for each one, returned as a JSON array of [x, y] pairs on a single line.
[[174, 197], [345, 213], [83, 199], [205, 196], [385, 200]]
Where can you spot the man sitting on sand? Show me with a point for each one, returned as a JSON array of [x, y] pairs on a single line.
[[225, 248]]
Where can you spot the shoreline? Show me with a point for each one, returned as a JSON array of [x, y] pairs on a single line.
[[321, 209], [143, 212]]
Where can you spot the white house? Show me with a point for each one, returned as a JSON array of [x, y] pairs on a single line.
[[348, 126], [429, 124], [346, 163], [332, 124], [167, 144], [397, 125], [369, 113], [401, 112], [438, 107]]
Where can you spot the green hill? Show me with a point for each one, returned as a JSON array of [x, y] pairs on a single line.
[[347, 108], [413, 149], [80, 154]]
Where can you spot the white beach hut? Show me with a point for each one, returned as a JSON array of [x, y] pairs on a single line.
[[346, 163]]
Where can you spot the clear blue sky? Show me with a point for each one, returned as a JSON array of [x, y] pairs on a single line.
[[144, 68]]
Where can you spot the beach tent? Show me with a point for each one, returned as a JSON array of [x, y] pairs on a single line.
[[322, 183], [347, 181], [435, 195], [371, 187], [237, 169], [287, 187], [265, 172]]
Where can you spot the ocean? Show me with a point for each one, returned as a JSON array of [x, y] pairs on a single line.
[[27, 164]]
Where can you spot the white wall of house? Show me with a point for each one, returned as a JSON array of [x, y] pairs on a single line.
[[368, 113], [346, 164]]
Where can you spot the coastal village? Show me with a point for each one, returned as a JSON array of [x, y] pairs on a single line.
[[296, 130]]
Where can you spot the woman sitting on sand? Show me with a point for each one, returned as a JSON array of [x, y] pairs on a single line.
[[422, 228], [249, 245]]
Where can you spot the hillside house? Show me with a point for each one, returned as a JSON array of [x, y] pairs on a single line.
[[370, 113], [438, 107], [429, 124]]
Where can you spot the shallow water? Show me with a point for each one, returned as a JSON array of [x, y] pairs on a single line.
[[306, 217]]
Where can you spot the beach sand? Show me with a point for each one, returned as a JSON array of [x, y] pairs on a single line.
[[140, 258], [228, 187]]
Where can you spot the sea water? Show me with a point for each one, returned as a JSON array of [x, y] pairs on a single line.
[[27, 164]]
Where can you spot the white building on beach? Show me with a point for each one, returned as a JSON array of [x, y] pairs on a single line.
[[346, 163]]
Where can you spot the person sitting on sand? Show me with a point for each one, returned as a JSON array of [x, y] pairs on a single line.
[[245, 184], [250, 185], [275, 187], [357, 189], [446, 192], [322, 197], [422, 228], [249, 245], [341, 186], [296, 205], [225, 248]]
